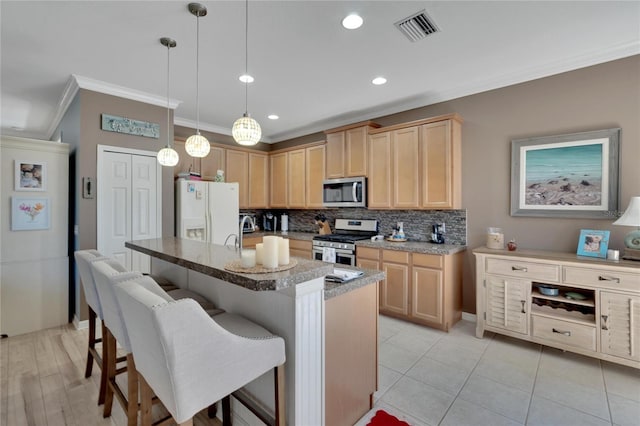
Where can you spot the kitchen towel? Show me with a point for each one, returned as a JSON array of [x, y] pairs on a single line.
[[329, 254], [343, 275]]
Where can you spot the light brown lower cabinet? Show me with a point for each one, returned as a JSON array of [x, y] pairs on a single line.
[[351, 355], [300, 248], [422, 288]]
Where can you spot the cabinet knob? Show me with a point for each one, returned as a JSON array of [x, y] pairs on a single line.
[[566, 333], [519, 268], [523, 302], [605, 278]]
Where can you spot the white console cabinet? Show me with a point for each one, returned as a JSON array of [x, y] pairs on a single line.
[[596, 311]]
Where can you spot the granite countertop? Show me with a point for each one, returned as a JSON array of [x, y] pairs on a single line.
[[210, 259], [370, 276], [307, 236], [413, 246]]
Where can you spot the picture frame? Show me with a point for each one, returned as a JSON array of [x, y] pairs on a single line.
[[566, 176], [30, 175], [30, 213], [593, 243]]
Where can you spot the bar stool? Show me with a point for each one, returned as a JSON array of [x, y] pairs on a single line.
[[191, 360], [84, 258]]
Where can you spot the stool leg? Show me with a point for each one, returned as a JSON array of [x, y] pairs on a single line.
[[132, 392], [146, 401], [92, 343], [110, 342], [103, 367], [279, 381], [226, 411]]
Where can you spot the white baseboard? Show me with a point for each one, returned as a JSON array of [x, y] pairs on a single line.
[[79, 325], [469, 317]]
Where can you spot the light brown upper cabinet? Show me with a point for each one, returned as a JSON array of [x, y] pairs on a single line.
[[416, 165], [213, 162], [296, 187], [278, 188], [237, 170], [346, 154], [315, 158], [258, 180]]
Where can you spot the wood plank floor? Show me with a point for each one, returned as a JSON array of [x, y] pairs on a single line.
[[42, 382]]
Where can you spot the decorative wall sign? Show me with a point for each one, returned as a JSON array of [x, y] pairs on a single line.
[[29, 213], [574, 175], [30, 176], [113, 123]]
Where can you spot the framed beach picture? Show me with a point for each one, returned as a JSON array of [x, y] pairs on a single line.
[[593, 243], [30, 176], [29, 213], [572, 176]]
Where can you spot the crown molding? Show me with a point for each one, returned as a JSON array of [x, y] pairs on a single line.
[[180, 121], [611, 53], [77, 82]]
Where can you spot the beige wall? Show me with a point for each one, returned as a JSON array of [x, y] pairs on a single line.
[[597, 97]]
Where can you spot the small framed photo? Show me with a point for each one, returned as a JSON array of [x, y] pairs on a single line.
[[29, 213], [593, 243], [30, 176]]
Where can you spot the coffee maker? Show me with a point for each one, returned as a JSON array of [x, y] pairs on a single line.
[[437, 233], [269, 222]]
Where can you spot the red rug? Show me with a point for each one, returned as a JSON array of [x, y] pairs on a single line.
[[382, 418]]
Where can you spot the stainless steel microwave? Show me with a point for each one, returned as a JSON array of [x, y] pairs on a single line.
[[345, 192]]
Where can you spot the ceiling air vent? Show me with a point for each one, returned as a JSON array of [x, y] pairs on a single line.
[[417, 26]]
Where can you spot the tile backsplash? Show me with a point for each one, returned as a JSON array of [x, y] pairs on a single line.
[[416, 223]]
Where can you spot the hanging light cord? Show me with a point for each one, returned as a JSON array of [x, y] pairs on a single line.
[[168, 121], [246, 57], [198, 73]]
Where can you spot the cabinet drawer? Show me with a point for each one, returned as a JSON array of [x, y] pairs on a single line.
[[602, 278], [563, 332], [530, 270], [300, 245], [395, 256], [367, 253], [427, 260]]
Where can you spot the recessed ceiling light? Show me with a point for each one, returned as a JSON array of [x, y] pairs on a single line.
[[272, 117], [379, 80], [352, 22], [246, 78]]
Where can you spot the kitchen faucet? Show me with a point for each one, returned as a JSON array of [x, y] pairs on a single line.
[[241, 232]]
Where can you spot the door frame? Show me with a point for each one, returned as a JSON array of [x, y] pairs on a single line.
[[100, 186]]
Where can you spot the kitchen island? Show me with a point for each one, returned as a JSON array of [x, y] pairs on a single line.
[[292, 305]]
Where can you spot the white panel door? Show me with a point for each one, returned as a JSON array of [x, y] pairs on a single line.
[[129, 203], [143, 206], [116, 207]]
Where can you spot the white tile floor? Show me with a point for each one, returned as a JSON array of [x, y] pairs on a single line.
[[428, 377]]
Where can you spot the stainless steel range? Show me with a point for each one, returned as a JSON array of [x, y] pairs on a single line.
[[340, 246]]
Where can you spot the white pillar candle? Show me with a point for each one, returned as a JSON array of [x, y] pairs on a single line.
[[248, 258], [283, 251], [259, 251], [270, 251]]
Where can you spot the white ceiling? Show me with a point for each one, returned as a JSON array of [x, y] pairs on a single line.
[[308, 69]]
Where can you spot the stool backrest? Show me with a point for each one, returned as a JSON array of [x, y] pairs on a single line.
[[84, 258], [106, 274]]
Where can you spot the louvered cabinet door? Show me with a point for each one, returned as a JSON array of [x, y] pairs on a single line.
[[620, 325], [507, 303]]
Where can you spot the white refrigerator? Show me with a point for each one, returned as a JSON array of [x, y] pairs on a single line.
[[207, 211]]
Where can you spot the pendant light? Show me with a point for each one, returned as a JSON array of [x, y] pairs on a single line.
[[168, 156], [197, 145], [246, 130]]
